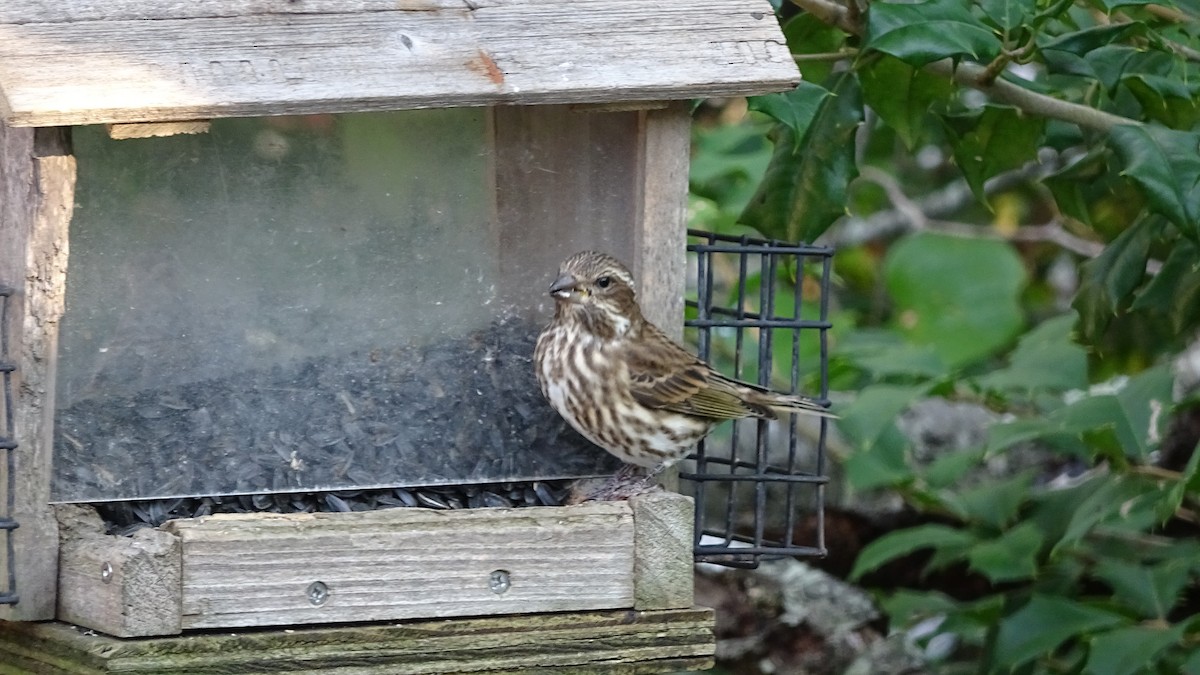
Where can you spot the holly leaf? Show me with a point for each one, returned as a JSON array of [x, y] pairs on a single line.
[[1165, 165], [997, 139], [903, 96], [1111, 276], [896, 544], [804, 189], [923, 32], [1130, 650], [1046, 358], [1150, 590], [793, 109], [1011, 557], [1043, 624]]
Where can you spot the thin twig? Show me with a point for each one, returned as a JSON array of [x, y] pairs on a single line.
[[825, 56]]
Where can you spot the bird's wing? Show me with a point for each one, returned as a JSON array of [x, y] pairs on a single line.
[[664, 375]]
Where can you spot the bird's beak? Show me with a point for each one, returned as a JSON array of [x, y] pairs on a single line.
[[564, 286]]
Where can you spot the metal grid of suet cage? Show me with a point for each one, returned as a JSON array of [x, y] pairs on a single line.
[[758, 311], [8, 446]]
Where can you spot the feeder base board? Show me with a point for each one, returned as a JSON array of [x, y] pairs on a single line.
[[612, 641]]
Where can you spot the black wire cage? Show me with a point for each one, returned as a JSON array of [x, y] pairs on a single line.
[[758, 311]]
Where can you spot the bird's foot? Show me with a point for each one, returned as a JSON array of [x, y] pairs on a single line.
[[629, 481]]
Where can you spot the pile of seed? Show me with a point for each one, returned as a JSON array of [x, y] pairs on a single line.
[[125, 517], [461, 411]]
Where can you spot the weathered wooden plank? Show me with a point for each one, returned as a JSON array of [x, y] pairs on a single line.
[[576, 642], [122, 132], [37, 181], [662, 220], [123, 586], [260, 58], [565, 181], [260, 569], [663, 560]]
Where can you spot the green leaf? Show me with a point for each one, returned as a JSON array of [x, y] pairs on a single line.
[[1192, 665], [804, 191], [794, 109], [913, 360], [896, 544], [922, 32], [875, 409], [1108, 278], [1151, 591], [1175, 291], [1129, 650], [1167, 100], [1083, 41], [955, 293], [1110, 64], [949, 468], [1043, 624], [1144, 406], [903, 96], [806, 34], [993, 503], [1165, 165], [905, 606], [1008, 15], [995, 140], [1011, 557], [1046, 358]]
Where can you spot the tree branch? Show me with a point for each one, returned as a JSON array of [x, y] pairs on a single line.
[[976, 76], [972, 75]]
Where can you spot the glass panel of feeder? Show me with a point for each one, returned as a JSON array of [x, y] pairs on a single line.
[[328, 302]]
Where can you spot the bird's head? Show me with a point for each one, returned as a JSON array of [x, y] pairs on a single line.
[[596, 290]]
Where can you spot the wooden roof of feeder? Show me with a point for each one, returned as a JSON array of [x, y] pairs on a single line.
[[67, 62]]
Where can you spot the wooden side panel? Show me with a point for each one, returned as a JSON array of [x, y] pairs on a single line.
[[123, 586], [577, 642], [83, 63], [37, 183], [266, 569], [661, 264], [567, 180]]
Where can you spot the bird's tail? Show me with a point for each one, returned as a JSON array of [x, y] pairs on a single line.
[[791, 403]]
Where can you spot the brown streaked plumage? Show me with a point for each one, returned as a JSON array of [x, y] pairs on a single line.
[[625, 385]]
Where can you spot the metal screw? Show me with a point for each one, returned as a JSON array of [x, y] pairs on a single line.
[[318, 592], [106, 572], [499, 582]]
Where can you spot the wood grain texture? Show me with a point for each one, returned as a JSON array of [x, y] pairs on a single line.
[[256, 569], [82, 62], [617, 642], [663, 562], [661, 265], [120, 132], [37, 179], [123, 586]]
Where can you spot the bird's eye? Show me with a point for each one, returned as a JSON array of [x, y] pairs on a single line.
[[604, 282]]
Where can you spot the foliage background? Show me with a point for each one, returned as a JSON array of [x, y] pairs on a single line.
[[1013, 187]]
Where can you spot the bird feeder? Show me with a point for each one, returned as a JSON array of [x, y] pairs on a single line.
[[272, 272]]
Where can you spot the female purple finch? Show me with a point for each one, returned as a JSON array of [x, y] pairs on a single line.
[[625, 385]]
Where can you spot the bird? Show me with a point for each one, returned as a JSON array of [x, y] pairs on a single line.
[[626, 386]]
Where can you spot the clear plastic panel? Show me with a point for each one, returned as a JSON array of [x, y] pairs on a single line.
[[347, 301]]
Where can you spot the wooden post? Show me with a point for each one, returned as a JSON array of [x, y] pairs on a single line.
[[661, 233], [125, 586], [662, 545], [37, 187]]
